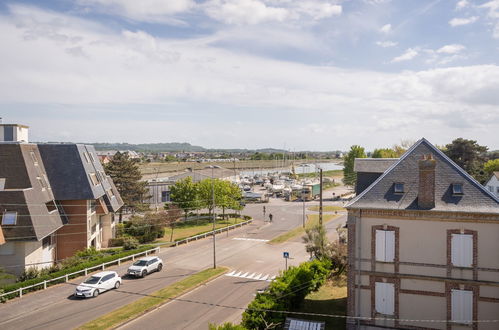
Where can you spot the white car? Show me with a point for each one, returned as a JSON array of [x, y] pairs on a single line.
[[144, 266], [98, 283]]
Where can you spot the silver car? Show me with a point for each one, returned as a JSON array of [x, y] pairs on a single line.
[[144, 266], [98, 283]]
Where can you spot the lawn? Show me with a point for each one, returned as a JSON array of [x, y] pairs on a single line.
[[143, 305], [328, 208], [312, 220], [190, 228], [331, 299]]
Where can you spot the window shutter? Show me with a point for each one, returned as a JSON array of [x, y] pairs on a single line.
[[389, 246], [380, 245], [385, 298], [462, 306], [467, 246], [462, 250]]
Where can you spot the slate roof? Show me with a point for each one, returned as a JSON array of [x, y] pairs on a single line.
[[373, 165], [69, 167], [26, 192], [380, 195]]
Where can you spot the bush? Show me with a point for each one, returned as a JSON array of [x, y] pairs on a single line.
[[130, 243], [28, 274], [226, 326], [286, 292], [113, 242]]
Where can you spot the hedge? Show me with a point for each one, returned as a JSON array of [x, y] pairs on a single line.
[[286, 292], [82, 266]]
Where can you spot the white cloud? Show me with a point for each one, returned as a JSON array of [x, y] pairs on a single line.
[[451, 49], [462, 4], [188, 82], [463, 21], [408, 55], [386, 44], [387, 28], [243, 12], [493, 14], [141, 10]]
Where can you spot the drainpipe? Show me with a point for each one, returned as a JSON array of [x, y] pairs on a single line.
[[359, 265]]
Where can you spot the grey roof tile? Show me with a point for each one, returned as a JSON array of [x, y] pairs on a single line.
[[380, 195]]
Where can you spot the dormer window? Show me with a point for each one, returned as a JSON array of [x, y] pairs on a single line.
[[9, 218], [398, 188], [457, 188]]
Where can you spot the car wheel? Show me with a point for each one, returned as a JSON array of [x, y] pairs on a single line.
[[96, 293], [160, 266], [117, 284], [144, 273]]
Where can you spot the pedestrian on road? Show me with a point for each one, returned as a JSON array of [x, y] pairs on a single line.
[[264, 211], [270, 217]]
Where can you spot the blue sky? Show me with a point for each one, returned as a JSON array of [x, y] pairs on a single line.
[[308, 74]]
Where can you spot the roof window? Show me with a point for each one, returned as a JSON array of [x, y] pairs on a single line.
[[33, 157], [9, 218], [2, 184], [86, 157], [457, 188], [398, 188]]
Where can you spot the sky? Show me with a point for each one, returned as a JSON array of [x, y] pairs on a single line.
[[298, 75]]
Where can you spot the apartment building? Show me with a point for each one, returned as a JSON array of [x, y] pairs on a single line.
[[423, 245], [87, 195], [30, 214]]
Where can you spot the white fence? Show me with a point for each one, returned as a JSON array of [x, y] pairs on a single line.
[[118, 261]]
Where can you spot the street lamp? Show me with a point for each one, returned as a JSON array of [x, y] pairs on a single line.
[[214, 217]]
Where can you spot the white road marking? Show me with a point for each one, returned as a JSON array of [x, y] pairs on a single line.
[[250, 239], [252, 276]]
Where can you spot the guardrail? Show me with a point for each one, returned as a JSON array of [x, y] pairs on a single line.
[[85, 271], [102, 266]]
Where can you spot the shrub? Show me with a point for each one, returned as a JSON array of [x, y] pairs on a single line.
[[28, 274], [226, 326], [130, 243], [113, 242], [286, 292]]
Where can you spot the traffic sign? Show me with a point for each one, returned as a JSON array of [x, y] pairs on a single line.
[[285, 255]]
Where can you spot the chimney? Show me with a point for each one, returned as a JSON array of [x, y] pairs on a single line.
[[13, 133], [426, 193]]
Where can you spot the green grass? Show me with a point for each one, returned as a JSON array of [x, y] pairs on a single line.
[[332, 173], [331, 299], [146, 304], [312, 220], [328, 208], [195, 227]]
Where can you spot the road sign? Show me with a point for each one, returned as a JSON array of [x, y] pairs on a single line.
[[285, 255]]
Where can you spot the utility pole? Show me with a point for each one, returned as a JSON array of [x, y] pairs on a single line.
[[303, 200], [214, 216], [320, 197]]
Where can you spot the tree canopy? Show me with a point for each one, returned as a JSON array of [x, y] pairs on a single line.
[[349, 175], [469, 155], [185, 195], [126, 175], [490, 167]]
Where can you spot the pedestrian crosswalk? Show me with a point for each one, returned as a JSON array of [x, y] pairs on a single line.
[[250, 239], [251, 276]]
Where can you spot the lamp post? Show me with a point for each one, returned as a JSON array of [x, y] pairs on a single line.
[[214, 216]]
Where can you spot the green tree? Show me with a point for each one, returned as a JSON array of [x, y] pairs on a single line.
[[385, 153], [207, 189], [126, 175], [227, 196], [469, 155], [349, 175], [490, 167], [316, 241], [184, 193]]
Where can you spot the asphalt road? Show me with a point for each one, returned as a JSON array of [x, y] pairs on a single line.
[[244, 251]]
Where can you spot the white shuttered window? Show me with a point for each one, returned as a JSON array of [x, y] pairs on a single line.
[[462, 250], [385, 298], [385, 245], [462, 306]]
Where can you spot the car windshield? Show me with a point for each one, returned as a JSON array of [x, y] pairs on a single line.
[[92, 280], [140, 263]]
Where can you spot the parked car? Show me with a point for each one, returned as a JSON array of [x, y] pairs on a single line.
[[98, 283], [144, 266]]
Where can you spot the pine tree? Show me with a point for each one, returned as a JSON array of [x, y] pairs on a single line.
[[126, 175]]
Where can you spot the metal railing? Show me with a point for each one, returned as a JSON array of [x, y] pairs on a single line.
[[102, 266], [85, 271]]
